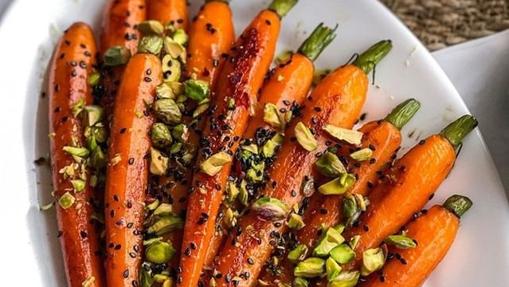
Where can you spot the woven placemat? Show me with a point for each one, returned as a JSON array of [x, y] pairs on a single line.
[[441, 23]]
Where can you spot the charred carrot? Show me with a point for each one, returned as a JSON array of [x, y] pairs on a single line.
[[211, 35], [127, 171], [383, 139], [240, 79], [119, 36], [337, 101], [172, 12], [408, 185], [69, 93], [433, 233], [284, 91]]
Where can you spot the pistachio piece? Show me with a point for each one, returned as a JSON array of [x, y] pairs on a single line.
[[116, 56], [163, 209], [295, 221], [243, 193], [66, 200], [270, 208], [300, 282], [339, 185], [78, 184], [269, 148], [174, 49], [330, 165], [400, 241], [88, 282], [98, 158], [200, 110], [329, 241], [158, 162], [159, 252], [164, 91], [305, 138], [297, 254], [167, 111], [373, 259], [176, 148], [160, 135], [230, 218], [172, 69], [354, 241], [255, 173], [93, 115], [180, 132], [150, 27], [272, 117], [308, 186], [150, 45], [80, 152], [349, 136], [215, 163], [332, 269], [94, 78], [342, 254], [284, 57], [345, 279], [252, 148], [153, 205], [197, 90], [180, 36], [166, 224], [309, 268], [362, 154], [146, 279]]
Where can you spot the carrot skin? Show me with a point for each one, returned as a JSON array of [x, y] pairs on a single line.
[[241, 77], [340, 97], [127, 172], [172, 12], [79, 235], [434, 232]]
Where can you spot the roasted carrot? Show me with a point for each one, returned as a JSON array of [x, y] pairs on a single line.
[[337, 100], [68, 90], [173, 12], [383, 138], [240, 79], [434, 233], [127, 172], [211, 35], [408, 185], [119, 30], [285, 90]]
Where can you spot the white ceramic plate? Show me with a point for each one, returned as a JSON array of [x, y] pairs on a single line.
[[31, 256]]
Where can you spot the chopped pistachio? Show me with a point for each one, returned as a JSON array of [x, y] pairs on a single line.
[[309, 268], [164, 91], [116, 56], [168, 283], [200, 110], [271, 116], [332, 269], [354, 241], [158, 162], [232, 191], [349, 136], [180, 132], [230, 218], [329, 241], [163, 209], [350, 209], [339, 228], [78, 184], [270, 208], [150, 27], [176, 147], [47, 206], [160, 278], [308, 186], [66, 200], [88, 282], [77, 107], [362, 154], [166, 224], [345, 279], [252, 148], [212, 282], [174, 49], [94, 78], [299, 253], [153, 205], [167, 111], [295, 221], [76, 151], [400, 241], [150, 45], [215, 163], [94, 115], [255, 173], [160, 135], [330, 165], [152, 240], [284, 57], [196, 89], [180, 36], [269, 148], [300, 282], [373, 259], [230, 102], [146, 280], [243, 193], [172, 69], [159, 252], [339, 185], [98, 158], [177, 88], [305, 138], [342, 253]]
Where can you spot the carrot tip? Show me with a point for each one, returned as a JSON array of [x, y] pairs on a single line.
[[456, 131], [458, 204], [372, 56], [282, 7], [403, 113]]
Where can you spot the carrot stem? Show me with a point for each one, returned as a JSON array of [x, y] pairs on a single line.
[[458, 204], [403, 113], [282, 7], [314, 45], [456, 131], [372, 56]]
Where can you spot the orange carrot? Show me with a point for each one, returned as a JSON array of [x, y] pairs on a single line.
[[68, 88], [173, 12], [127, 172], [434, 233], [241, 77]]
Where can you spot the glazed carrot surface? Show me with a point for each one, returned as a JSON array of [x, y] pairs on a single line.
[[173, 12], [241, 77], [68, 87], [127, 172]]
